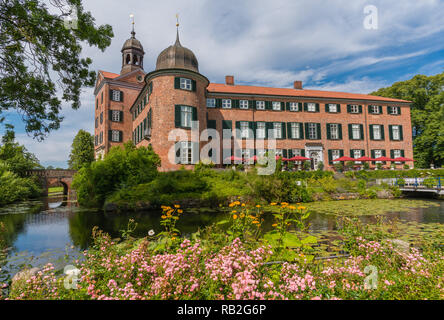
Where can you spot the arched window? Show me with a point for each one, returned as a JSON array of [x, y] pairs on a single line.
[[135, 60], [128, 58]]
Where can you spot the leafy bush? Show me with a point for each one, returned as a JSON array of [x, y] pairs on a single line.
[[430, 182], [120, 169]]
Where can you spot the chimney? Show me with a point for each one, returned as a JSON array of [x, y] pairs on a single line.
[[229, 80], [298, 85]]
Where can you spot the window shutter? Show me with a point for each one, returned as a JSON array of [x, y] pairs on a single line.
[[284, 131], [211, 124], [382, 132], [361, 128], [391, 132], [360, 109], [301, 130], [218, 103], [121, 96], [338, 106], [383, 153], [303, 152], [110, 114], [110, 135], [380, 109], [194, 114], [110, 95], [285, 153], [371, 132], [120, 136], [305, 106], [177, 83], [193, 85], [318, 127], [289, 133], [238, 125], [227, 124], [251, 104], [370, 109], [121, 116], [401, 135], [330, 157], [350, 132], [290, 153], [306, 131], [340, 131], [402, 153], [372, 152], [251, 126], [268, 105], [352, 153], [326, 107], [328, 132], [348, 108], [235, 104], [317, 107], [399, 110], [177, 116], [341, 153], [392, 154], [287, 106], [362, 152]]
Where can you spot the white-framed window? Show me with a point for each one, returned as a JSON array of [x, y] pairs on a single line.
[[354, 108], [335, 154], [116, 95], [357, 154], [312, 131], [211, 103], [396, 133], [244, 126], [393, 110], [397, 154], [260, 105], [243, 104], [186, 152], [185, 84], [377, 154], [295, 130], [296, 152], [277, 126], [377, 132], [276, 105], [294, 106], [332, 107], [115, 135], [311, 107], [115, 116], [260, 130], [186, 115], [356, 132], [334, 131], [374, 109], [226, 103]]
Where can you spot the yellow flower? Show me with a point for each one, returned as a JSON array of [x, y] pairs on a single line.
[[234, 211], [273, 204], [274, 225], [238, 197], [258, 206], [234, 217], [292, 207], [243, 204], [232, 204], [241, 215], [163, 217], [180, 211], [302, 208], [255, 221], [298, 204], [173, 238], [176, 206]]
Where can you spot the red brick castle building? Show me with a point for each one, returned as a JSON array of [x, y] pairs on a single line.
[[321, 125]]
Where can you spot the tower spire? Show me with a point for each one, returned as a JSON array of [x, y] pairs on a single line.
[[133, 33], [177, 32]]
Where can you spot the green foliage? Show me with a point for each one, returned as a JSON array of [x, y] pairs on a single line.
[[82, 150], [35, 48], [306, 165], [339, 166], [349, 165], [400, 181], [430, 182], [385, 174], [121, 168], [320, 166], [427, 115]]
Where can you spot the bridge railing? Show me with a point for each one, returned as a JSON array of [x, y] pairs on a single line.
[[415, 183]]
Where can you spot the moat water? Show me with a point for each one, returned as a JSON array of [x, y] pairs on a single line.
[[51, 230]]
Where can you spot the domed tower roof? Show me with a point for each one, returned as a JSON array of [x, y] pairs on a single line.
[[132, 54], [132, 43], [177, 57]]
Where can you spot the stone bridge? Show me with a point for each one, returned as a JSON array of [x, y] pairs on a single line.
[[49, 178]]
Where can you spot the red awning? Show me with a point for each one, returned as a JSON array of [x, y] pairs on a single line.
[[364, 159], [383, 159], [345, 158], [402, 159], [298, 158]]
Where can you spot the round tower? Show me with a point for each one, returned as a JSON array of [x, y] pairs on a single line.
[[177, 101]]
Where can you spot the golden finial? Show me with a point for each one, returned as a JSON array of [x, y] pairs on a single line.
[[177, 18], [132, 32]]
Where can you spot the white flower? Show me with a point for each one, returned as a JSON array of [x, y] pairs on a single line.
[[151, 233]]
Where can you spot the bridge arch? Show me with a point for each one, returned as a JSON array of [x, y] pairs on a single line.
[[51, 177]]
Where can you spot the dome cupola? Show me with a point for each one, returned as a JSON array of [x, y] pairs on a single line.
[[132, 54], [177, 57]]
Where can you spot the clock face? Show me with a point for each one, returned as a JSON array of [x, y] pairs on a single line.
[[139, 78]]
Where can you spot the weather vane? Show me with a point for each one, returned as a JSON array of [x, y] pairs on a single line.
[[177, 18], [132, 17]]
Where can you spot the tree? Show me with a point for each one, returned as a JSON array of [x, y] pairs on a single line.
[[82, 150], [120, 169], [40, 57], [427, 96]]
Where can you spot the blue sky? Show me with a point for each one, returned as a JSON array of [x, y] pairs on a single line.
[[270, 43]]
